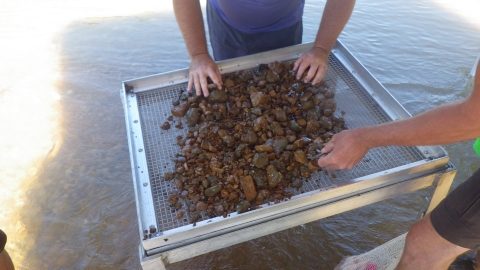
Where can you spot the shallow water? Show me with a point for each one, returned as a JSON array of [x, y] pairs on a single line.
[[66, 195]]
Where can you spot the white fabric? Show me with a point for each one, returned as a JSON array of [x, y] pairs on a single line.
[[384, 257]]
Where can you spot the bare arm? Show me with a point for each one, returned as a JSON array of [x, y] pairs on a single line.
[[449, 123], [189, 17], [335, 17]]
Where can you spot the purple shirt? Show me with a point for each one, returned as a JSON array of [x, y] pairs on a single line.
[[256, 16]]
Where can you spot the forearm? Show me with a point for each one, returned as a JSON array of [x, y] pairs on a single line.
[[454, 122], [189, 17], [450, 123], [335, 17]]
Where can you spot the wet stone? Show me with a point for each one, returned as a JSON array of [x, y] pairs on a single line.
[[250, 138], [276, 129], [228, 83], [300, 157], [326, 122], [229, 141], [313, 165], [297, 183], [276, 66], [180, 110], [308, 105], [273, 176], [299, 143], [233, 197], [248, 187], [291, 138], [212, 191], [256, 111], [217, 96], [312, 126], [260, 124], [330, 104], [178, 184], [258, 176], [258, 98], [242, 207], [294, 126], [272, 76], [165, 126], [279, 114], [280, 166], [260, 160], [218, 209], [306, 97], [328, 112], [194, 216], [192, 117], [301, 122], [201, 206], [305, 172], [263, 148], [205, 184], [279, 146]]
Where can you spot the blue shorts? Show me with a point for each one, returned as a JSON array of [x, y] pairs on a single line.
[[229, 42], [457, 217]]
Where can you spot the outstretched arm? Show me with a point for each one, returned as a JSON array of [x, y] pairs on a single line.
[[189, 17], [449, 123], [335, 16]]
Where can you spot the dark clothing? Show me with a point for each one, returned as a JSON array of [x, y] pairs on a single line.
[[457, 217], [229, 42], [3, 240], [258, 16]]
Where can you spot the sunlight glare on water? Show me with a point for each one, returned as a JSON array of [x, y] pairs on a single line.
[[29, 71], [465, 9]]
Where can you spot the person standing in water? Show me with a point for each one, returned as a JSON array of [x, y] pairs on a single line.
[[453, 227], [239, 28]]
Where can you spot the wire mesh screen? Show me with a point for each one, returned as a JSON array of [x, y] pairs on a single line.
[[358, 107]]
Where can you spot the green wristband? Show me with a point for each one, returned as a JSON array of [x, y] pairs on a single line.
[[476, 146]]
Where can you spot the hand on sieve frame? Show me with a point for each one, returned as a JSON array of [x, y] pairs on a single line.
[[344, 151], [201, 67], [316, 60]]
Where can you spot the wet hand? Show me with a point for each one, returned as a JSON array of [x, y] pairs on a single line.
[[344, 151], [201, 67], [316, 59]]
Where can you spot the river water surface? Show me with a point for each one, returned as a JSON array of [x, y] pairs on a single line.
[[66, 193]]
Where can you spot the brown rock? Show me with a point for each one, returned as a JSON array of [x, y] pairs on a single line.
[[260, 160], [305, 172], [178, 184], [263, 148], [313, 165], [260, 124], [248, 187], [279, 114], [274, 177], [300, 157], [201, 206], [217, 96], [301, 122], [180, 110], [258, 98], [229, 83], [218, 210], [165, 126]]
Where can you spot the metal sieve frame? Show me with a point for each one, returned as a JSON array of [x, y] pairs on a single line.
[[145, 98]]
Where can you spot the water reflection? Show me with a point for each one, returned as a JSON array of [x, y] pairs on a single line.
[[66, 197]]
